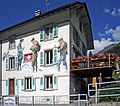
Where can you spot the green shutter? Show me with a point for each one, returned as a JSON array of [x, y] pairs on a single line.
[[22, 85], [42, 83], [7, 87], [7, 63], [55, 55], [33, 83], [16, 87], [55, 82], [55, 30], [42, 34], [41, 58], [16, 62]]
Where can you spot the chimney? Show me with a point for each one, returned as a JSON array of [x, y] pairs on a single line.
[[37, 13]]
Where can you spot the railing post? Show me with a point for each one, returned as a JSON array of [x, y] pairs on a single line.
[[32, 100], [78, 99], [96, 93], [53, 100], [109, 59], [1, 100]]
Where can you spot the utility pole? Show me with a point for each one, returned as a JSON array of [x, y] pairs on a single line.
[[47, 4]]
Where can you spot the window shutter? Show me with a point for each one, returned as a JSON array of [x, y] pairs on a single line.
[[55, 55], [7, 87], [55, 30], [7, 63], [16, 87], [33, 83], [42, 34], [22, 85], [16, 62], [42, 83], [55, 82], [41, 58]]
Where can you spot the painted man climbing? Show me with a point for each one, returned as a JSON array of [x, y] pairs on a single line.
[[35, 48], [20, 54], [63, 52]]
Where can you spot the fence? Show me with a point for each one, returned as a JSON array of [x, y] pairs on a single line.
[[95, 93], [57, 100]]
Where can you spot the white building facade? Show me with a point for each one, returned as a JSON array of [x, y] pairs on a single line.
[[70, 23]]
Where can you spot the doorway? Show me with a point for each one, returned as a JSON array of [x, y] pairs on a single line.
[[11, 87]]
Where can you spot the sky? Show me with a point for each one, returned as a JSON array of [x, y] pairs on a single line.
[[104, 14]]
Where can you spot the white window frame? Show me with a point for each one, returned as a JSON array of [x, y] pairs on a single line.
[[49, 35], [49, 81], [11, 63], [48, 62], [30, 83], [12, 44]]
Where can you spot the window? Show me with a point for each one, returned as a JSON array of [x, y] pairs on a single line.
[[12, 42], [48, 57], [11, 63], [28, 83], [48, 33], [49, 82]]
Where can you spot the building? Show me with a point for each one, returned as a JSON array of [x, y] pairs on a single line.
[[36, 53], [0, 67]]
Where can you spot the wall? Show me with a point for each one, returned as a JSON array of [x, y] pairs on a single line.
[[63, 75]]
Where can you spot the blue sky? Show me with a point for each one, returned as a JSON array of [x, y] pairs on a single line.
[[105, 16]]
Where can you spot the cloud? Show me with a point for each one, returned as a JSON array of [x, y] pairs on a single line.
[[113, 12], [101, 34], [101, 44], [106, 26], [114, 33], [106, 10]]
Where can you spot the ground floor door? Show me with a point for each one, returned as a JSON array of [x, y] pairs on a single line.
[[11, 87]]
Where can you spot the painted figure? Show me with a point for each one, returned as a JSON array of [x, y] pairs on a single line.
[[5, 55], [35, 48], [63, 52], [20, 53]]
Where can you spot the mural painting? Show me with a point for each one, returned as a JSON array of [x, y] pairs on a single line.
[[63, 52], [5, 55], [20, 54], [35, 48]]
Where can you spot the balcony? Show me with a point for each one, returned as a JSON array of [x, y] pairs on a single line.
[[100, 63]]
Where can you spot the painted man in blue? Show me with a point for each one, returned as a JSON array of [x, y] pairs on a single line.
[[20, 53], [63, 52]]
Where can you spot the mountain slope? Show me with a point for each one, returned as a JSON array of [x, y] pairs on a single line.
[[113, 48]]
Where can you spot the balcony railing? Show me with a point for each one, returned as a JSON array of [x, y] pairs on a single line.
[[96, 61]]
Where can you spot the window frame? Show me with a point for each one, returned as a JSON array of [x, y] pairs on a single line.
[[12, 40], [50, 59], [48, 80], [11, 63], [29, 82], [47, 32]]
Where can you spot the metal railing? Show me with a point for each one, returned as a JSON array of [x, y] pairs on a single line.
[[95, 93], [54, 100]]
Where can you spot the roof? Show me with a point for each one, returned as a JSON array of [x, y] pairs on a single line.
[[45, 14], [54, 11]]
